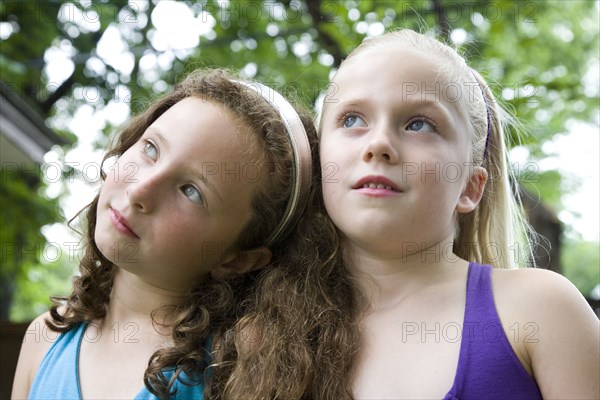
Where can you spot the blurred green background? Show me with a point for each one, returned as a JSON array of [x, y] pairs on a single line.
[[86, 67]]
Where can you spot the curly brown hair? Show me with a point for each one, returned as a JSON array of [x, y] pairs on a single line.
[[215, 308], [297, 334]]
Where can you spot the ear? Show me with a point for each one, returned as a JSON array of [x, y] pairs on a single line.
[[473, 192], [241, 263]]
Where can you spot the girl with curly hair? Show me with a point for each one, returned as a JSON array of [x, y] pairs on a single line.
[[208, 188]]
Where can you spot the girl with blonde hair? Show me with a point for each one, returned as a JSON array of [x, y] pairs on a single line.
[[416, 292]]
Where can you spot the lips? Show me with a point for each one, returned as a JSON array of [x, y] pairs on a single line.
[[121, 223], [376, 182]]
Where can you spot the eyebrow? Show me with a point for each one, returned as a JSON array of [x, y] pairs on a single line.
[[437, 104], [196, 174], [410, 101], [407, 99]]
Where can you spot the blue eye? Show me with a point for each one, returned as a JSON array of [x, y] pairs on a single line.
[[193, 194], [420, 125], [353, 121], [150, 150]]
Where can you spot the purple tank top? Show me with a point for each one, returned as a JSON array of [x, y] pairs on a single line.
[[487, 365]]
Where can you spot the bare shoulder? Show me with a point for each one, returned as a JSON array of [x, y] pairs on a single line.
[[537, 292], [537, 281], [37, 341], [542, 297], [564, 348]]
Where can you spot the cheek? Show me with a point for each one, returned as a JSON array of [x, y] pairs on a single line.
[[121, 172], [201, 237], [127, 169], [330, 171], [102, 237], [336, 204], [181, 245], [330, 143], [103, 223], [336, 159], [331, 175], [330, 194]]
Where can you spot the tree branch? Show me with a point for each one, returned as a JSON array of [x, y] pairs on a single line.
[[442, 19], [327, 41], [61, 91]]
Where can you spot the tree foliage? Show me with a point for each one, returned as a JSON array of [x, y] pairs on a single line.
[[22, 213], [541, 57], [577, 258]]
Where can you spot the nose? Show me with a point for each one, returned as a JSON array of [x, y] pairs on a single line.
[[144, 191], [379, 146]]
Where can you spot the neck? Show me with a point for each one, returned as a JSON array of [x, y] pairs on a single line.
[[134, 300], [387, 279]]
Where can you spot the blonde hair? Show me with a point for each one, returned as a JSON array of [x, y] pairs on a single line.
[[298, 332], [496, 232]]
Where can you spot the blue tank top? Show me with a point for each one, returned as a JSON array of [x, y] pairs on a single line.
[[58, 374], [487, 368]]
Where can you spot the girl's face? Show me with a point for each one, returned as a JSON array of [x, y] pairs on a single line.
[[395, 150], [176, 201]]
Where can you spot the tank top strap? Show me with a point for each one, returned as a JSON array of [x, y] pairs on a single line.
[[480, 306], [478, 298], [487, 365], [58, 375]]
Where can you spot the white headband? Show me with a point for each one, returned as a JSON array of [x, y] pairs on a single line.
[[302, 165]]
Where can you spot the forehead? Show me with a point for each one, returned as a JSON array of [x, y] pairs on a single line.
[[392, 67], [394, 56], [206, 137], [198, 123], [401, 74]]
